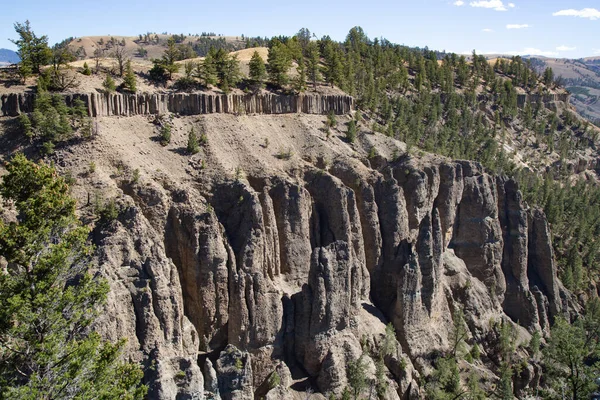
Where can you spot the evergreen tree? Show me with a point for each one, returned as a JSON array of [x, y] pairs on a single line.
[[227, 70], [158, 73], [206, 71], [548, 76], [33, 50], [312, 63], [169, 57], [357, 376], [109, 84], [351, 132], [49, 299], [280, 62], [192, 144], [130, 81], [86, 69], [258, 71], [333, 70], [299, 81], [571, 353]]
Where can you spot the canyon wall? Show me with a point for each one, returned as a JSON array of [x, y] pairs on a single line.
[[299, 277], [121, 104]]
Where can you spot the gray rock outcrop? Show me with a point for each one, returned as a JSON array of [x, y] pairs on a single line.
[[123, 104], [306, 273]]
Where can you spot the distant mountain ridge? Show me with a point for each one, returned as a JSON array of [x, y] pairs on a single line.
[[8, 57]]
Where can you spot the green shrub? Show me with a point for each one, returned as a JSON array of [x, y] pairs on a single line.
[[180, 375], [86, 69], [135, 178], [331, 120], [285, 154], [475, 352], [351, 132], [239, 364], [26, 125], [274, 380], [109, 84], [192, 144], [106, 212], [129, 81], [165, 134]]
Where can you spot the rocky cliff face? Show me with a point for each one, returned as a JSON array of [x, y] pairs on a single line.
[[297, 276], [120, 104]]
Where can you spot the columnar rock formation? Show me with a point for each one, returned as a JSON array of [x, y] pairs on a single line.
[[120, 104], [298, 273]]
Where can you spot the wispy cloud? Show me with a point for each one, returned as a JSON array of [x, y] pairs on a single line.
[[532, 51], [511, 5], [459, 3], [566, 48], [596, 51], [590, 13], [517, 26], [487, 30], [497, 5]]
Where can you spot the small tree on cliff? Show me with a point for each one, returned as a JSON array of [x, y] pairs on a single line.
[[280, 61], [130, 81], [33, 50], [49, 299], [357, 376], [258, 71], [192, 146], [169, 57], [312, 63]]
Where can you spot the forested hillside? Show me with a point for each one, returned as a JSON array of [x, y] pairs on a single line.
[[582, 78]]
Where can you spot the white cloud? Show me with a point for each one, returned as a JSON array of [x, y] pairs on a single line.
[[459, 3], [531, 51], [590, 13], [497, 5], [517, 26], [511, 5], [596, 51], [488, 30], [566, 48]]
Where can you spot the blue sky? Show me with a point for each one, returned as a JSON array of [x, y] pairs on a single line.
[[554, 28]]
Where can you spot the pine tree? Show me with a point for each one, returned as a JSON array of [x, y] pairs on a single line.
[[49, 299], [130, 81], [280, 62], [333, 70], [258, 71], [312, 63], [33, 50], [351, 132], [569, 351], [299, 81], [356, 372], [228, 70], [169, 57], [86, 69], [192, 144], [109, 84], [548, 76], [206, 71]]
